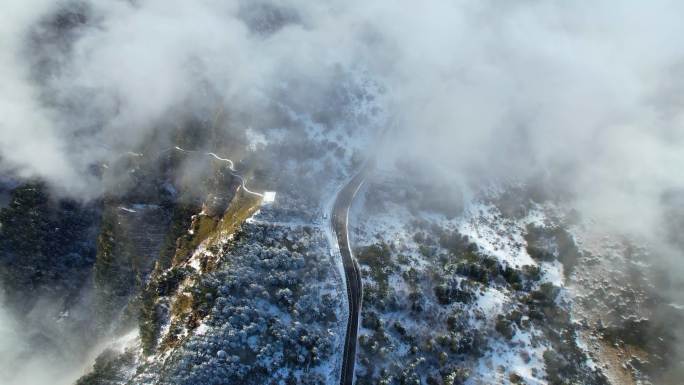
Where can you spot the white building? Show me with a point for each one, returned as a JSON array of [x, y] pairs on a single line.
[[269, 197]]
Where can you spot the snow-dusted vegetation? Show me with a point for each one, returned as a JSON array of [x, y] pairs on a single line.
[[268, 313], [463, 296]]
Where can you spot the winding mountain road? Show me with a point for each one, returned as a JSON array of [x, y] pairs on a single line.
[[340, 221], [231, 168]]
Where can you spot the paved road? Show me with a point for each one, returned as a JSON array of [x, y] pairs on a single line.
[[340, 220]]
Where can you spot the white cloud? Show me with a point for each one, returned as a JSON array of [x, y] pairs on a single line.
[[586, 94]]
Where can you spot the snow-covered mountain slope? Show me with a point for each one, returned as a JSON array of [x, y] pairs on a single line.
[[498, 293], [251, 292]]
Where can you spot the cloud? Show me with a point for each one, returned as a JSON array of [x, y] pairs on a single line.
[[36, 349], [587, 95], [28, 140], [581, 94]]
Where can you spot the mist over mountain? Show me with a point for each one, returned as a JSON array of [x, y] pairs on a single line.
[[564, 91], [138, 139]]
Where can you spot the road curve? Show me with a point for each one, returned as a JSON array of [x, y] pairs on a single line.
[[340, 220], [231, 168]]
